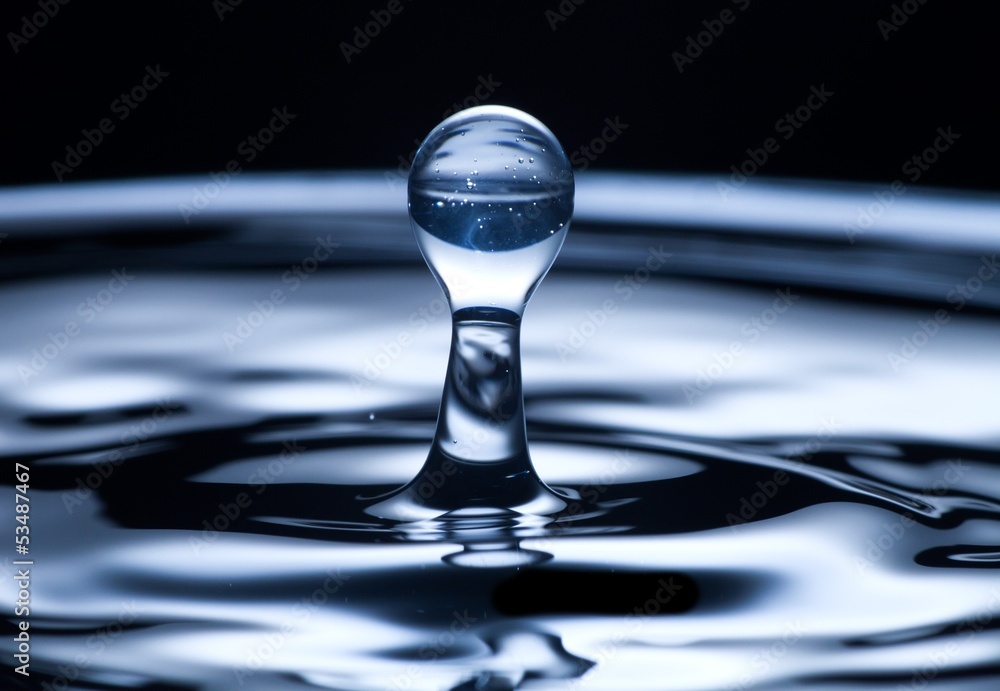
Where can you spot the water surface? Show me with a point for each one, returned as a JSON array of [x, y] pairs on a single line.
[[768, 487]]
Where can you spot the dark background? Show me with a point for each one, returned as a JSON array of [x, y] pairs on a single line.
[[607, 59]]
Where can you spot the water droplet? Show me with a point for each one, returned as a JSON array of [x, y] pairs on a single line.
[[531, 160], [445, 241], [489, 263]]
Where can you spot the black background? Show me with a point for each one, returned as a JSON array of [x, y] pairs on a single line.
[[606, 59]]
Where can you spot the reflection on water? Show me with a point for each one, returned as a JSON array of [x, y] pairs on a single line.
[[754, 497]]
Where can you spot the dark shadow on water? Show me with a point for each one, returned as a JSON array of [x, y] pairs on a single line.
[[533, 592]]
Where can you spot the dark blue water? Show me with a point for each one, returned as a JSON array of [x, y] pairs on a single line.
[[778, 447]]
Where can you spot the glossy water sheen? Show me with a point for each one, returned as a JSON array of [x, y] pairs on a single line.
[[805, 515]]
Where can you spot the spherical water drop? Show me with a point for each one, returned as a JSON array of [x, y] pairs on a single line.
[[516, 251]]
